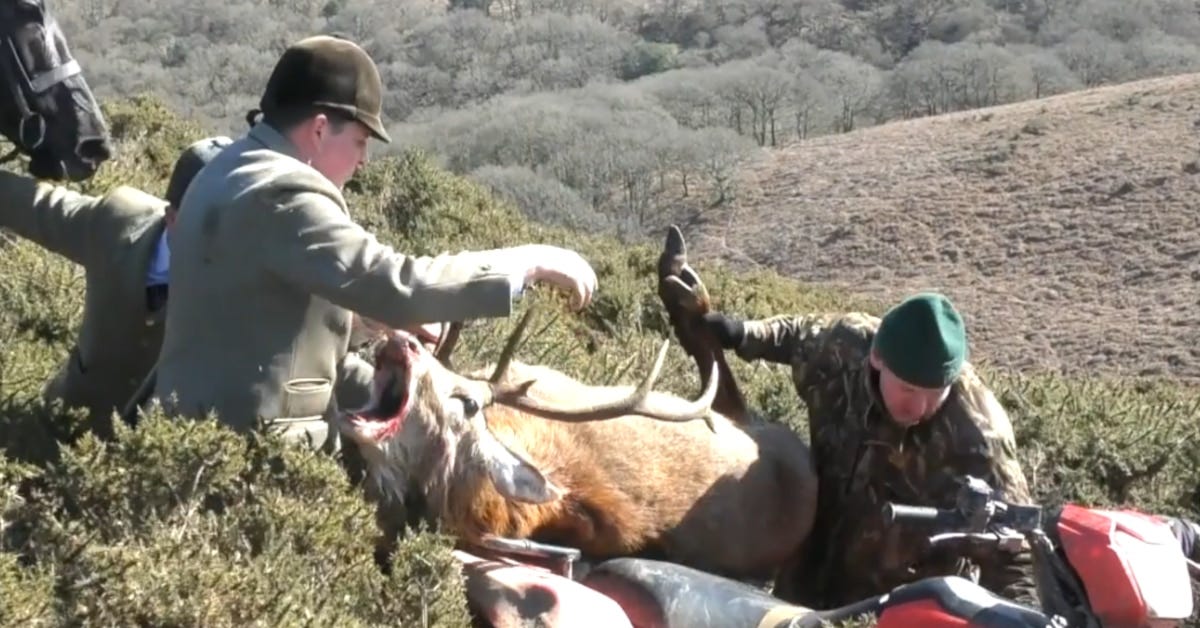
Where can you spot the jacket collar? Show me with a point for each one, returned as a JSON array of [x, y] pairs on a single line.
[[272, 139], [868, 381]]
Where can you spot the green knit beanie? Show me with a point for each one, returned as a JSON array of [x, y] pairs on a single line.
[[923, 341]]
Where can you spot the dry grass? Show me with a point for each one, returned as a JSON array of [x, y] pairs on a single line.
[[1067, 228]]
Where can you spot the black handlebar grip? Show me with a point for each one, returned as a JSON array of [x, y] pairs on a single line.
[[911, 514]]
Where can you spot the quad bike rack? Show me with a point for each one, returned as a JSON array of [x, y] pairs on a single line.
[[562, 559]]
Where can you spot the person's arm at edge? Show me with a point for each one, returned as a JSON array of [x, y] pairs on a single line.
[[51, 216]]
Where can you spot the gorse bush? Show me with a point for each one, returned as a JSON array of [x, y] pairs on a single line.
[[193, 525], [188, 524]]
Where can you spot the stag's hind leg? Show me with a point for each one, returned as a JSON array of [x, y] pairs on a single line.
[[686, 301]]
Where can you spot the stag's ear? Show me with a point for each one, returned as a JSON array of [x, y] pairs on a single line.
[[514, 477]]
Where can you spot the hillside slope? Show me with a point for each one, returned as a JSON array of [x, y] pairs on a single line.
[[1067, 228]]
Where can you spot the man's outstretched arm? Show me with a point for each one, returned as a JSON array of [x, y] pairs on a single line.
[[51, 216], [782, 339], [316, 246]]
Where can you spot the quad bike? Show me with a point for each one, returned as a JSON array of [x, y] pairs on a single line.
[[1094, 568]]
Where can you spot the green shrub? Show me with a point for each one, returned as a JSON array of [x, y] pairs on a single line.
[[193, 525]]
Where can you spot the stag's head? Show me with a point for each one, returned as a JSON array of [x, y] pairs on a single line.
[[426, 424]]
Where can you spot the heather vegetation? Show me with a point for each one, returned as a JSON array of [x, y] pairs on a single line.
[[625, 115]]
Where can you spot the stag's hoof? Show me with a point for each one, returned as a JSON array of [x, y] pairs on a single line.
[[674, 254], [692, 300], [675, 242], [679, 284]]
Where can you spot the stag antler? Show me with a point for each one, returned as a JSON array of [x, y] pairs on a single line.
[[637, 402], [447, 342], [510, 347]]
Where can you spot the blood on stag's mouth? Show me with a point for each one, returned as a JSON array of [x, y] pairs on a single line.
[[393, 392]]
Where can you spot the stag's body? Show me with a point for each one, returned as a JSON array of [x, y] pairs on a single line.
[[531, 453], [738, 499]]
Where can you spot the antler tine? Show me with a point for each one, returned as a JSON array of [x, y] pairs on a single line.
[[510, 347], [637, 402], [448, 342]]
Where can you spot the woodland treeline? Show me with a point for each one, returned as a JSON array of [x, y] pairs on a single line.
[[619, 115]]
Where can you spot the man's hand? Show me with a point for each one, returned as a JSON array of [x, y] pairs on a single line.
[[561, 268], [729, 331]]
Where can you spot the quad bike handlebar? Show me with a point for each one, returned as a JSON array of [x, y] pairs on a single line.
[[981, 518], [941, 517], [978, 516]]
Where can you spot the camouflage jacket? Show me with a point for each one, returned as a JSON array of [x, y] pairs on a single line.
[[864, 459]]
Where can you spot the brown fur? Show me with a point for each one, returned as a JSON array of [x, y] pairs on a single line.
[[738, 502], [738, 499]]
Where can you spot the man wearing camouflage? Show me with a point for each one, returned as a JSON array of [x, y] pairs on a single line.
[[896, 413]]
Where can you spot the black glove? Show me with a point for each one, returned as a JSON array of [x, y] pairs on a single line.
[[1188, 534], [729, 331]]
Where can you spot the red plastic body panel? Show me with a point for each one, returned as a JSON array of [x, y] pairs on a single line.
[[925, 613], [1101, 546], [509, 594]]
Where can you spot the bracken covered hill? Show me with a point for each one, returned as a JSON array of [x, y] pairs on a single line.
[[1067, 228]]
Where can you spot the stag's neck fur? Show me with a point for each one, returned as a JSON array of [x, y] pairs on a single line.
[[595, 515]]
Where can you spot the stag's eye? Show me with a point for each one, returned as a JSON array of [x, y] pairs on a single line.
[[470, 406]]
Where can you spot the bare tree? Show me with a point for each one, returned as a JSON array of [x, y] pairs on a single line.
[[760, 90], [689, 94], [1048, 75], [1160, 54], [809, 104], [1093, 58], [903, 24], [769, 69], [720, 153], [853, 84]]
